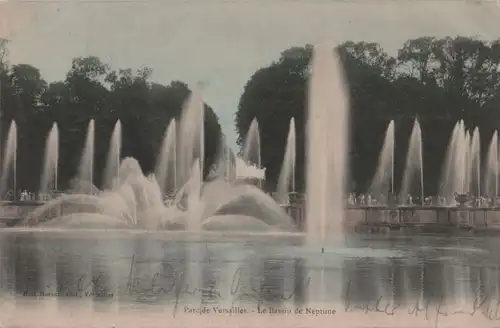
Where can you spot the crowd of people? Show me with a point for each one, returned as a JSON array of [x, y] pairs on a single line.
[[26, 196], [352, 199], [368, 199]]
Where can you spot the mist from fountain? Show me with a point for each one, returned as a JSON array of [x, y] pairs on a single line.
[[166, 165], [327, 135], [286, 180], [491, 173], [475, 164], [9, 164], [85, 178], [48, 181], [413, 177], [111, 172], [383, 180]]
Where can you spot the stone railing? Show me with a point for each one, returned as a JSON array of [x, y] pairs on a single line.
[[355, 216], [396, 217], [430, 218]]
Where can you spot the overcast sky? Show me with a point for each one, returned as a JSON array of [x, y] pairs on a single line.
[[220, 42]]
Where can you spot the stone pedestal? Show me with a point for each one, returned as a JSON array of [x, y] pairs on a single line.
[[392, 200], [295, 198], [461, 199], [464, 217]]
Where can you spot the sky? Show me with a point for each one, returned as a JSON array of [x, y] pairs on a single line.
[[221, 42]]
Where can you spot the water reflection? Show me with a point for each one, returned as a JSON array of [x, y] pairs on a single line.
[[136, 271]]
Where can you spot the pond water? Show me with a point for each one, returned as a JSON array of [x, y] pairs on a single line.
[[56, 277]]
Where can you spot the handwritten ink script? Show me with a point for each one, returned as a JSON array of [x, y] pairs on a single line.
[[172, 282], [166, 282], [486, 306], [259, 298]]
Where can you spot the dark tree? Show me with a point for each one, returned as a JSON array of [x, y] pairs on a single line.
[[440, 81], [91, 90]]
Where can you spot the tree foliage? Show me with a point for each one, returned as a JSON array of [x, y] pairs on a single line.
[[440, 81], [91, 90]]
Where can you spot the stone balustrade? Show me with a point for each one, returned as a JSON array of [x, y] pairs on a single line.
[[426, 218], [432, 218]]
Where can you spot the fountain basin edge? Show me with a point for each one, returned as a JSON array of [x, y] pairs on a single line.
[[400, 217]]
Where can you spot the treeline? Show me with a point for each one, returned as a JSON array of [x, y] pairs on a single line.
[[91, 90], [440, 81]]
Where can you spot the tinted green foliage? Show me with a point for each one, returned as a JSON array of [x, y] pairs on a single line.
[[91, 90], [440, 81]]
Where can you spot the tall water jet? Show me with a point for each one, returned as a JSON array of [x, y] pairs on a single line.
[[251, 149], [86, 171], [475, 163], [327, 137], [10, 160], [413, 178], [453, 169], [192, 143], [286, 181], [491, 174], [225, 168], [165, 170], [462, 167], [195, 207], [466, 150], [112, 170], [48, 180], [383, 180], [229, 165]]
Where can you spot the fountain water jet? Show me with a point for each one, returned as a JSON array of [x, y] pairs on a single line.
[[460, 143], [414, 165], [475, 163], [168, 159], [192, 143], [225, 162], [491, 174], [112, 169], [195, 206], [86, 171], [454, 166], [327, 135], [467, 162], [251, 149], [10, 160], [51, 161], [286, 180], [136, 201], [383, 180]]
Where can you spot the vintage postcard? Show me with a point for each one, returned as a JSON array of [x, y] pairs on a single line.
[[249, 163]]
